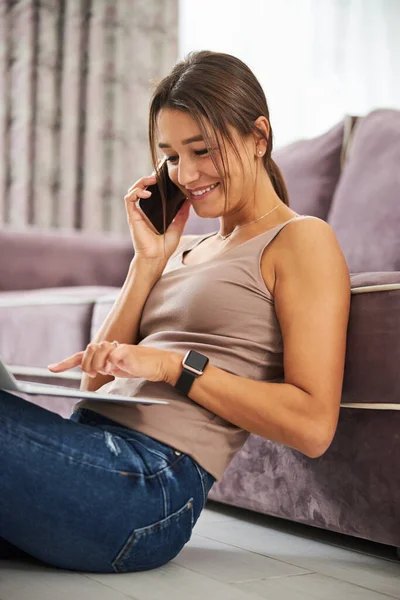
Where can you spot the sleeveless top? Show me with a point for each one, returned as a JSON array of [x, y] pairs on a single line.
[[223, 309]]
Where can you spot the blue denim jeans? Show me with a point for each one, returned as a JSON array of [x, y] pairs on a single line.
[[88, 494]]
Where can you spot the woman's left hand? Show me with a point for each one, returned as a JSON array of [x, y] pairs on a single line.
[[124, 360]]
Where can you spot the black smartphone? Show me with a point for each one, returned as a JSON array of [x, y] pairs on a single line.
[[152, 208]]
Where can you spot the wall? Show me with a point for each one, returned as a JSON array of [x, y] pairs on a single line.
[[317, 60]]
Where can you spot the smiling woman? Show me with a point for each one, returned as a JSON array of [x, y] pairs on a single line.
[[239, 332], [224, 130]]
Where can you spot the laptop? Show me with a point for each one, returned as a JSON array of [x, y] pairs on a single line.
[[8, 383]]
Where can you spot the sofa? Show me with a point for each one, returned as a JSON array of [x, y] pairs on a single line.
[[56, 288]]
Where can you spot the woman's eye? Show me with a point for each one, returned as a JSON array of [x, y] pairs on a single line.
[[173, 159], [200, 152]]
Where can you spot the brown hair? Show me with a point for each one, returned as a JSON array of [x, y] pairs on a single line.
[[221, 89]]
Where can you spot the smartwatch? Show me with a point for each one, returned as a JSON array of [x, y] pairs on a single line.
[[193, 365]]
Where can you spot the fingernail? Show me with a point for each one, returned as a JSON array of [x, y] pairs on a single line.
[[52, 366]]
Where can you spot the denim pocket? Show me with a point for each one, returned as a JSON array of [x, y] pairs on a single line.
[[155, 545]]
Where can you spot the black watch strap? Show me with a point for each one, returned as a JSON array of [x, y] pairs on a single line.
[[185, 381]]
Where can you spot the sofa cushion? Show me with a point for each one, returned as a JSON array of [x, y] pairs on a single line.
[[311, 169], [365, 213], [44, 326]]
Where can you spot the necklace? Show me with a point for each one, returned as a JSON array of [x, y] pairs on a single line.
[[224, 237]]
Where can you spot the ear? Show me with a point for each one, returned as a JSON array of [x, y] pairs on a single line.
[[260, 141]]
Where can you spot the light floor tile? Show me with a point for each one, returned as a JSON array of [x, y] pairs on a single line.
[[229, 563], [173, 582], [20, 580], [308, 587], [250, 533]]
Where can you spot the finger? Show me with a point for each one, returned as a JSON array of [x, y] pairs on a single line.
[[106, 370], [135, 195], [143, 182], [117, 372], [132, 208], [100, 356], [109, 368], [116, 359], [86, 365], [117, 362], [67, 363], [119, 353], [181, 217]]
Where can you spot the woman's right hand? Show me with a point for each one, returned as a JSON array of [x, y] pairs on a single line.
[[149, 245]]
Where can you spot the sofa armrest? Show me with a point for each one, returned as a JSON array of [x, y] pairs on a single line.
[[39, 327], [372, 374], [35, 258]]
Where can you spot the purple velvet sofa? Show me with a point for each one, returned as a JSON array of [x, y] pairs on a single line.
[[57, 287]]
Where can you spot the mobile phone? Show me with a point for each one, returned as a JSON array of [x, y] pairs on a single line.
[[152, 207]]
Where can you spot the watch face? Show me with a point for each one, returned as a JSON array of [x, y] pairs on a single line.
[[196, 360]]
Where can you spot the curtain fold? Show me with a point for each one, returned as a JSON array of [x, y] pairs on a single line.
[[75, 85]]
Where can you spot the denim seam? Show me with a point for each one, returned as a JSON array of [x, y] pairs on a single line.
[[165, 497], [200, 472], [89, 464]]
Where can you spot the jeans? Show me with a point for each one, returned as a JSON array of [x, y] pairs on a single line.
[[88, 494]]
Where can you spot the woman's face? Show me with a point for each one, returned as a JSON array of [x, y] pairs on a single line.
[[191, 168]]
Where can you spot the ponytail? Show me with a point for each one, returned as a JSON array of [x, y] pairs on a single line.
[[277, 181]]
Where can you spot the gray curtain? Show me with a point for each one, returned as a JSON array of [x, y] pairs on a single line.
[[75, 84]]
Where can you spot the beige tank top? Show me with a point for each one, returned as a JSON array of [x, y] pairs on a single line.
[[223, 309]]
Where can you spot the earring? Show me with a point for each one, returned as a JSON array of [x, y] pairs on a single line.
[[260, 152]]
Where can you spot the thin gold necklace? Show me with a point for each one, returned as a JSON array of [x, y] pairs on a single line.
[[224, 237]]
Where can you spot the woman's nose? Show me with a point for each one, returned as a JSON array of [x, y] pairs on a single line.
[[187, 173]]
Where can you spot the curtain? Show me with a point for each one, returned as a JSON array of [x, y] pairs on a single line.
[[75, 84], [317, 60]]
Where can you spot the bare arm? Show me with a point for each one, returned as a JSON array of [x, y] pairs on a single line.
[[123, 320]]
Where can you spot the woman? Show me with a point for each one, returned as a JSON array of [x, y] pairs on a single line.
[[118, 487]]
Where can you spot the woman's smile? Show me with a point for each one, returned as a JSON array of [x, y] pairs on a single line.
[[203, 193]]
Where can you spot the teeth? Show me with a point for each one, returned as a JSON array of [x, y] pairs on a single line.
[[205, 190]]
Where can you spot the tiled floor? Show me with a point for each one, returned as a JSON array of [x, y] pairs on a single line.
[[233, 555]]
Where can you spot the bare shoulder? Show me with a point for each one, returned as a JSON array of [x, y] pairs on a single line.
[[295, 231], [300, 240], [303, 243], [311, 273]]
